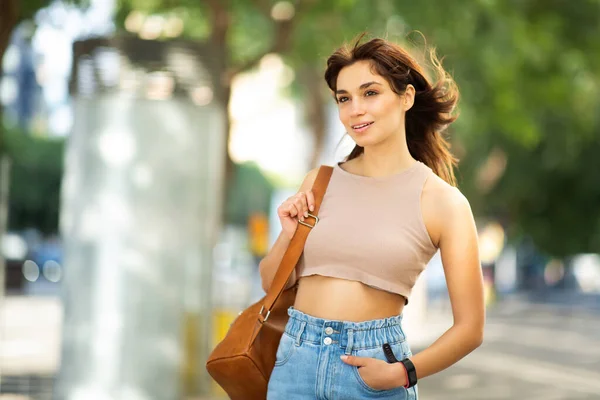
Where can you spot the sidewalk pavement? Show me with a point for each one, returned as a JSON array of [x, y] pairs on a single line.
[[30, 335]]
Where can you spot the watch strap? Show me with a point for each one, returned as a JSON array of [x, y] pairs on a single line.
[[411, 372], [409, 367]]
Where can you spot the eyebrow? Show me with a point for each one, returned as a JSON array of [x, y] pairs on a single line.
[[363, 86]]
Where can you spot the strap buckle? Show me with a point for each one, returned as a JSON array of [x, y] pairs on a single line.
[[309, 225], [266, 317]]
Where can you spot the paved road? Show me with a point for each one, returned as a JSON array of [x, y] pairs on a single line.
[[531, 351]]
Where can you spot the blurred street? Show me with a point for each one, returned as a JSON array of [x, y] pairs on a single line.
[[146, 149], [531, 351]]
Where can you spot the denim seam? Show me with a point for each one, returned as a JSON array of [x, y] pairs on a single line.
[[287, 356], [354, 347], [299, 334], [350, 342], [355, 329], [378, 346], [370, 389]]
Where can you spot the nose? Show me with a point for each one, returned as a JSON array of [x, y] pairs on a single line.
[[357, 108]]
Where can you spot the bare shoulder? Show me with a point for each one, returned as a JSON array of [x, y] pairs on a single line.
[[443, 195], [443, 204]]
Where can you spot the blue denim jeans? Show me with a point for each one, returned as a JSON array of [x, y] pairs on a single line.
[[308, 362]]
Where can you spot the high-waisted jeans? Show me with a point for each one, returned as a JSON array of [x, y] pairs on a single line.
[[308, 362]]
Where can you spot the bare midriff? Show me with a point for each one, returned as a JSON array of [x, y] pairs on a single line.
[[340, 299]]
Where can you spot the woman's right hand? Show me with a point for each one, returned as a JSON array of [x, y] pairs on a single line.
[[293, 209]]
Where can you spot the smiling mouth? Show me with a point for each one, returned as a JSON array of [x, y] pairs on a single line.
[[362, 126]]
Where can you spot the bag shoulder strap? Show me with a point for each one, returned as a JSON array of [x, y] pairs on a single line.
[[296, 246]]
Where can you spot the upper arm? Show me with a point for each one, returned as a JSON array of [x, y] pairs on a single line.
[[459, 249]]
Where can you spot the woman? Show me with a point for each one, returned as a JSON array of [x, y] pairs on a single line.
[[388, 208]]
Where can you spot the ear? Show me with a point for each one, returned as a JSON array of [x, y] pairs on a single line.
[[409, 97]]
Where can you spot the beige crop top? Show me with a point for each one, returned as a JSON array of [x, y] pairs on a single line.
[[371, 230]]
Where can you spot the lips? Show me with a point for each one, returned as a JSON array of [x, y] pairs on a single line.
[[360, 126]]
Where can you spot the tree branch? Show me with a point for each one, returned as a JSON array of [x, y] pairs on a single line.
[[9, 16], [221, 19], [283, 33], [264, 6]]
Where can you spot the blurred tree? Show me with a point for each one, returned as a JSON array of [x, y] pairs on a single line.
[[250, 193], [528, 73], [530, 123], [12, 12], [239, 33], [242, 32], [36, 174]]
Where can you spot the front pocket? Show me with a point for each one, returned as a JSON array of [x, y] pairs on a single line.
[[285, 349], [400, 351]]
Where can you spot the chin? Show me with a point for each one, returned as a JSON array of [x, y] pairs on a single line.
[[365, 141]]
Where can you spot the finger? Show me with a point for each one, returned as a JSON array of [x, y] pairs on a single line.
[[301, 205], [283, 211], [285, 208], [354, 360], [310, 198], [293, 210]]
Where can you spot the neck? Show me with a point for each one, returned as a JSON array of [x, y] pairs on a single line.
[[386, 158]]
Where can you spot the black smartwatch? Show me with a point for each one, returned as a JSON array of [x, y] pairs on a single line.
[[411, 371]]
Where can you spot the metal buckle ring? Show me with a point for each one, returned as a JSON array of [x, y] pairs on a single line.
[[309, 225], [266, 317]]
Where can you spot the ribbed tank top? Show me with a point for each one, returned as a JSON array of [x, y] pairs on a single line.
[[371, 230]]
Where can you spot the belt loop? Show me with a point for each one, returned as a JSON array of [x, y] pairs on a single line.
[[350, 341], [300, 332]]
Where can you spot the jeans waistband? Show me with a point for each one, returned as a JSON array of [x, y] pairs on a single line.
[[345, 334]]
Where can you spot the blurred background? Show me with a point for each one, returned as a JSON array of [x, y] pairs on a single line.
[[145, 146]]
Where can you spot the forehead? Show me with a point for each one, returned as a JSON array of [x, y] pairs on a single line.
[[352, 76]]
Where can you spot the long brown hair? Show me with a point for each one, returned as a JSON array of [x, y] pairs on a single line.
[[433, 107]]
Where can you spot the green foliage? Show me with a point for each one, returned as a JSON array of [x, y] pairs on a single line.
[[528, 71], [36, 170], [193, 14], [529, 76], [28, 8], [250, 192], [36, 174]]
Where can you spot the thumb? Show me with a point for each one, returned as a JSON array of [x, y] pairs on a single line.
[[354, 360]]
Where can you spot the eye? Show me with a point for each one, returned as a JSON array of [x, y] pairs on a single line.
[[370, 93], [343, 99]]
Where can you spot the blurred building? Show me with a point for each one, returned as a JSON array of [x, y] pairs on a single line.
[[139, 218]]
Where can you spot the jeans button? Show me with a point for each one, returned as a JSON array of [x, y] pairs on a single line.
[[327, 341], [329, 330]]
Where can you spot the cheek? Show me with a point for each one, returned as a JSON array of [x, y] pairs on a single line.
[[393, 114], [343, 115]]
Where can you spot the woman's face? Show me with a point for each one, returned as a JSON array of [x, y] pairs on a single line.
[[368, 107]]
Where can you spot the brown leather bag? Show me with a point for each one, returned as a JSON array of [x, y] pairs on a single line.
[[243, 361]]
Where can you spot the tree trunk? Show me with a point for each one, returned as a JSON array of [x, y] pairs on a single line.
[[222, 69], [8, 22], [315, 110], [229, 166], [5, 164], [220, 72]]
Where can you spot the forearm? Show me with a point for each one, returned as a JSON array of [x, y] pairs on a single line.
[[453, 345], [270, 263]]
